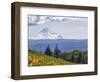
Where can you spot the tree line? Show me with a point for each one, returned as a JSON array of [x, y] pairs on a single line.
[[75, 56]]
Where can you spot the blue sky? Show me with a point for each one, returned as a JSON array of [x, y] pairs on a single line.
[[68, 27]]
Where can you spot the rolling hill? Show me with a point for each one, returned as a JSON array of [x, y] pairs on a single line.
[[38, 59], [63, 44]]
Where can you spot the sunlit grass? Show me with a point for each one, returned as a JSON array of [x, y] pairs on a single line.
[[38, 59]]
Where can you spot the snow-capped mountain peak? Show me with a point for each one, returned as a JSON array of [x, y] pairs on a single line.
[[46, 33]]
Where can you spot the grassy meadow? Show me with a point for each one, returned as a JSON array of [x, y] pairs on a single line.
[[38, 59]]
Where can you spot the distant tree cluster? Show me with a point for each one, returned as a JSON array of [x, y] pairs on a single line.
[[56, 52], [73, 56]]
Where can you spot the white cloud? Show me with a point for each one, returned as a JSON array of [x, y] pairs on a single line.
[[73, 18], [68, 27], [32, 19], [35, 20]]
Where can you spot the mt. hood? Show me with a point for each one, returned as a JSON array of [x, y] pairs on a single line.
[[46, 33]]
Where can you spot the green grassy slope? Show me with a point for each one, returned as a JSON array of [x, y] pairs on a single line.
[[37, 59]]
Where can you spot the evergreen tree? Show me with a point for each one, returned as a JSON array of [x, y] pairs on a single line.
[[79, 59], [84, 60], [48, 51], [56, 52], [73, 58]]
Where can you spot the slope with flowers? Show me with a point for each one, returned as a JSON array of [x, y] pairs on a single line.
[[38, 59]]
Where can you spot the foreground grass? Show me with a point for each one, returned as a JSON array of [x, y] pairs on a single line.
[[38, 59]]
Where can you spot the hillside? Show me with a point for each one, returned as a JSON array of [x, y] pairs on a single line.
[[63, 44], [38, 59]]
